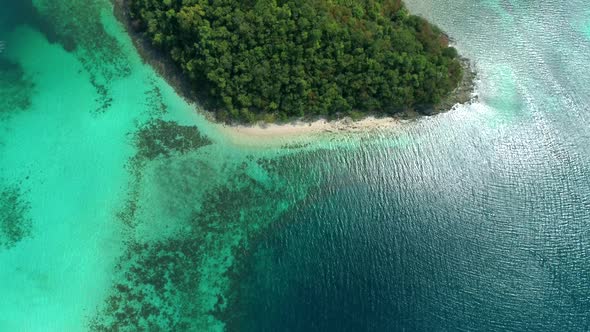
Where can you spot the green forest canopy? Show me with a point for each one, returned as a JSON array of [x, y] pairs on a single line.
[[263, 59]]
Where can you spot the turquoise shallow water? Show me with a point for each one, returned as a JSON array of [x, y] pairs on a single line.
[[122, 208]]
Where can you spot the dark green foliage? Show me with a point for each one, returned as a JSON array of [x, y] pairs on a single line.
[[299, 57]]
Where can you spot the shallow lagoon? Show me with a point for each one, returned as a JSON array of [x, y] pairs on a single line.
[[473, 219]]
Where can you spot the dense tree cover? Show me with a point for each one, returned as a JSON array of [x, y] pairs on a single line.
[[285, 58]]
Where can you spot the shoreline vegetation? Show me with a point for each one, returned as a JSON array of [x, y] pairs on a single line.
[[238, 129]]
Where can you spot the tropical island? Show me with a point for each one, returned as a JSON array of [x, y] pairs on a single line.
[[269, 60]]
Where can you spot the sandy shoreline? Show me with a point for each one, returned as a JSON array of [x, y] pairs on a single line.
[[298, 128], [299, 132]]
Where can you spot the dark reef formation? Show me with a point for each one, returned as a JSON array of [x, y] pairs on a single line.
[[159, 282], [15, 223], [157, 139], [16, 89], [72, 35], [162, 138]]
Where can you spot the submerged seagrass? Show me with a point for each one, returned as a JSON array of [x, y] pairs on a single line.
[[278, 59]]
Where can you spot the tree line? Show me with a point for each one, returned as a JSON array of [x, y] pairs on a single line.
[[277, 59]]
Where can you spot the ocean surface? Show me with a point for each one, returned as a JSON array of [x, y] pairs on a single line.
[[123, 209]]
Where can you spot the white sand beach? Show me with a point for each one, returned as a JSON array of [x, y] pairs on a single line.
[[267, 134]]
